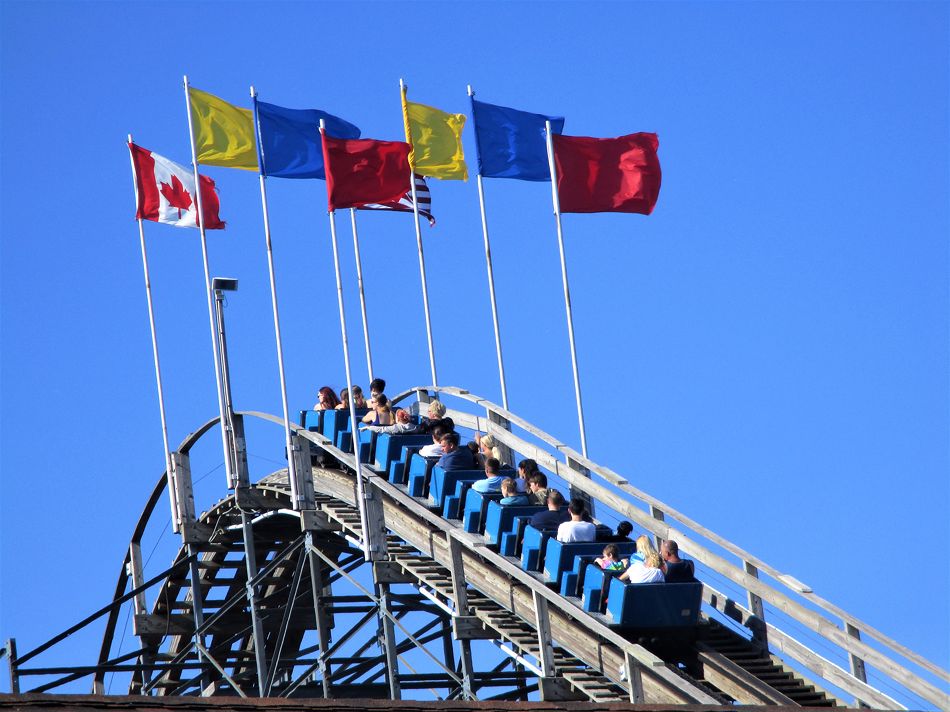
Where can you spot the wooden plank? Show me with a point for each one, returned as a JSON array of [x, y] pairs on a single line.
[[737, 682]]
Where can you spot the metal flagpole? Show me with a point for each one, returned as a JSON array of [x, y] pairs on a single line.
[[488, 265], [229, 465], [225, 417], [359, 281], [354, 423], [169, 466], [567, 291], [291, 467], [422, 260]]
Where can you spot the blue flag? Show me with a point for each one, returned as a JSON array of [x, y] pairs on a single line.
[[511, 143], [290, 140]]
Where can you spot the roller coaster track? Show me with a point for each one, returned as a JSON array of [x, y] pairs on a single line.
[[426, 587]]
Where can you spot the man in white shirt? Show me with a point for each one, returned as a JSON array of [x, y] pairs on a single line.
[[576, 529], [435, 449]]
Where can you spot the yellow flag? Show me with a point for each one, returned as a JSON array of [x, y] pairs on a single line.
[[436, 140], [224, 133]]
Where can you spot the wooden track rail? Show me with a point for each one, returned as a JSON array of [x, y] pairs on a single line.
[[782, 592], [485, 595]]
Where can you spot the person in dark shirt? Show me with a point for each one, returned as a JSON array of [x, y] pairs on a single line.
[[622, 533], [677, 570], [554, 516], [455, 457]]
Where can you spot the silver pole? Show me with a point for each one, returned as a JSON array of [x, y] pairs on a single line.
[[422, 259], [359, 281], [222, 412], [250, 558], [491, 279], [291, 468], [354, 423], [567, 291], [169, 467]]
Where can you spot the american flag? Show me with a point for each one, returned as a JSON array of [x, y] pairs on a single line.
[[405, 204]]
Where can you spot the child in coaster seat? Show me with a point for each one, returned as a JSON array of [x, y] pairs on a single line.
[[611, 561]]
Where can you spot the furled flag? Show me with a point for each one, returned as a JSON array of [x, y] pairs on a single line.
[[436, 139], [290, 140], [363, 171], [404, 204], [511, 143], [607, 175], [224, 133], [165, 192]]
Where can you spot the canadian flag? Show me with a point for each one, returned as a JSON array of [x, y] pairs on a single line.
[[165, 192]]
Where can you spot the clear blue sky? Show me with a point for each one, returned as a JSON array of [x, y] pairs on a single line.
[[768, 352]]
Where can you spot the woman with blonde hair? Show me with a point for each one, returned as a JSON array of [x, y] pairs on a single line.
[[381, 412], [645, 564], [488, 447]]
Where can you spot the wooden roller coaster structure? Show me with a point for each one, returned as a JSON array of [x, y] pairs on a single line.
[[340, 584]]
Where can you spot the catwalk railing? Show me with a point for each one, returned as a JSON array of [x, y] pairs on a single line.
[[772, 598]]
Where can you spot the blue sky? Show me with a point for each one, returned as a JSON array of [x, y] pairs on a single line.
[[768, 351]]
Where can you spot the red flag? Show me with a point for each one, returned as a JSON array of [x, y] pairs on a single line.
[[165, 192], [363, 171], [607, 175]]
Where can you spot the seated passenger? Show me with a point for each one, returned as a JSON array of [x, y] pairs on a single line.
[[645, 564], [435, 449], [510, 495], [359, 402], [455, 457], [488, 447], [402, 426], [326, 399], [622, 533], [344, 403], [576, 529], [538, 488], [376, 387], [492, 481], [381, 413], [553, 517], [434, 413], [526, 468], [677, 570], [611, 561]]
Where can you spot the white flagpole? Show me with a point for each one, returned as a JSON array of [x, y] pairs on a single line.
[[567, 291], [359, 282], [169, 466], [354, 423], [422, 260], [291, 467], [222, 411], [491, 273]]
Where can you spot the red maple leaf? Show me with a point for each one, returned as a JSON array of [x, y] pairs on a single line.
[[176, 195]]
